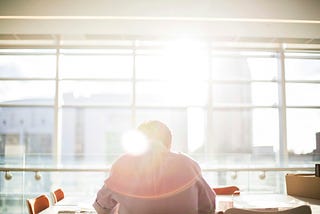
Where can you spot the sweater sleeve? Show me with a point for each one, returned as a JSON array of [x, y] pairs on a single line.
[[206, 197], [104, 203]]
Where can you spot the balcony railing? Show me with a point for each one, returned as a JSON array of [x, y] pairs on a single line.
[[26, 176]]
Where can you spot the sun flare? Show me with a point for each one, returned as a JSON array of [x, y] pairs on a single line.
[[134, 142]]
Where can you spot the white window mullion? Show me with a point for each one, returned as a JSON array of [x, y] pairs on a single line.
[[57, 111], [283, 149], [133, 81]]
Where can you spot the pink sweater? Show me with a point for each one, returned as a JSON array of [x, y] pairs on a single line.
[[167, 183]]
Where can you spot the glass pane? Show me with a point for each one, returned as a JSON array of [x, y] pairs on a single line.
[[249, 181], [196, 130], [172, 67], [263, 68], [244, 68], [28, 66], [92, 136], [176, 120], [231, 131], [302, 69], [245, 131], [25, 131], [264, 93], [300, 94], [302, 126], [245, 93], [27, 92], [171, 94], [265, 131], [96, 66], [91, 92]]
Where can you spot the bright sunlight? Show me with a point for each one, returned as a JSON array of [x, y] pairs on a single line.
[[134, 142]]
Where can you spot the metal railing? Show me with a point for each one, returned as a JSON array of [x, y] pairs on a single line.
[[37, 170], [107, 169], [18, 183]]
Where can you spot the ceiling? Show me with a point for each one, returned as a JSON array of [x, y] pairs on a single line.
[[268, 21]]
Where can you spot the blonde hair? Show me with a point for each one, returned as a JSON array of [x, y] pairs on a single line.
[[156, 131]]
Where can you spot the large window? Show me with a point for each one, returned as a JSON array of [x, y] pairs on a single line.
[[27, 92], [244, 101], [303, 101], [81, 99], [228, 108]]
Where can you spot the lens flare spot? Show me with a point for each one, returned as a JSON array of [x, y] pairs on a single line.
[[134, 142]]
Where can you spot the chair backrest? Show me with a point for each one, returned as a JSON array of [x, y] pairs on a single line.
[[303, 209], [57, 195], [38, 204], [227, 190]]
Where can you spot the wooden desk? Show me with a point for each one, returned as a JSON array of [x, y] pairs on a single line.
[[265, 200]]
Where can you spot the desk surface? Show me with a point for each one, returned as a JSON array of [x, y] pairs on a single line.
[[265, 200], [72, 205], [244, 200]]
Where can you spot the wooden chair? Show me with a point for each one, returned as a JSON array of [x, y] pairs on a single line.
[[303, 209], [227, 190], [57, 195], [38, 204]]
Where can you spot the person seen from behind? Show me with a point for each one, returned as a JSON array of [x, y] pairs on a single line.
[[158, 181]]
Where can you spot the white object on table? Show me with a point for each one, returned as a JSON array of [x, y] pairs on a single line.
[[265, 201]]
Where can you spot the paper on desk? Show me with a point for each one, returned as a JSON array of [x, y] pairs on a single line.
[[76, 212], [67, 211]]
